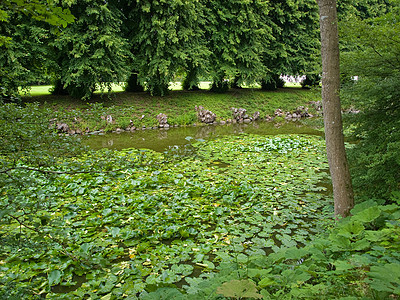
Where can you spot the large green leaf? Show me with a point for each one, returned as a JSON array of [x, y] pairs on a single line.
[[54, 277], [239, 289], [385, 278]]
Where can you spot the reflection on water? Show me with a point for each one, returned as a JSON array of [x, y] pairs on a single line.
[[163, 139]]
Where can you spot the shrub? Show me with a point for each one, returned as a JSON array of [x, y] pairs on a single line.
[[357, 258]]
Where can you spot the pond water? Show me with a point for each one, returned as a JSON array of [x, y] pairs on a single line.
[[161, 139]]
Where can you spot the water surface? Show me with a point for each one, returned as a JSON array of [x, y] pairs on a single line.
[[161, 139]]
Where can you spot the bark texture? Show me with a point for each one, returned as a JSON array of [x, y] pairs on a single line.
[[338, 165]]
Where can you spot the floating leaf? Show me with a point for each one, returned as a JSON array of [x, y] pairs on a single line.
[[54, 277], [107, 211], [115, 231]]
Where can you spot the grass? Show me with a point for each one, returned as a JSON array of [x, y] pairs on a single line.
[[141, 109], [39, 90]]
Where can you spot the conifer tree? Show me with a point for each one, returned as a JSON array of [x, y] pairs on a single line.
[[165, 38], [236, 35], [294, 49], [91, 52]]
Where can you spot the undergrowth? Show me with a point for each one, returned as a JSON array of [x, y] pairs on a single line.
[[358, 258]]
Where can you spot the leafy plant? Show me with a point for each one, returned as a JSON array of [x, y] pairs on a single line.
[[375, 158], [146, 219], [89, 56], [356, 258]]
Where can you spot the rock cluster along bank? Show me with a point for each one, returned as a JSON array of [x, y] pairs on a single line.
[[204, 116]]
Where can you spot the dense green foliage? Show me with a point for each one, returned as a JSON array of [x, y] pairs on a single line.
[[36, 9], [91, 54], [24, 56], [159, 218], [225, 41], [374, 60], [363, 9], [165, 38], [23, 61], [356, 259], [237, 34], [230, 42], [295, 46]]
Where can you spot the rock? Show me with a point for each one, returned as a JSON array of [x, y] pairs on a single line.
[[317, 105], [162, 120], [352, 110], [246, 120], [268, 118], [95, 132], [62, 127], [109, 119], [239, 114], [278, 113], [256, 115], [133, 129], [205, 116], [222, 122]]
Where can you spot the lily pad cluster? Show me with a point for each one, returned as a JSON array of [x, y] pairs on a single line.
[[165, 220]]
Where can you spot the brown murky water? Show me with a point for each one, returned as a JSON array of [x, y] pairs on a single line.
[[161, 140]]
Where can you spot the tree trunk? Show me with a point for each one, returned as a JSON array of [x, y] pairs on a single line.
[[338, 165]]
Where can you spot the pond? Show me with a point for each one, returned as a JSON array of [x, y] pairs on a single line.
[[161, 140], [152, 220]]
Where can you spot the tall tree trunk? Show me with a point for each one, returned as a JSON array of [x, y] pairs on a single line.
[[339, 168]]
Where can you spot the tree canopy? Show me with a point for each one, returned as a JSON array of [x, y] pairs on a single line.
[[91, 53], [158, 41], [151, 43]]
